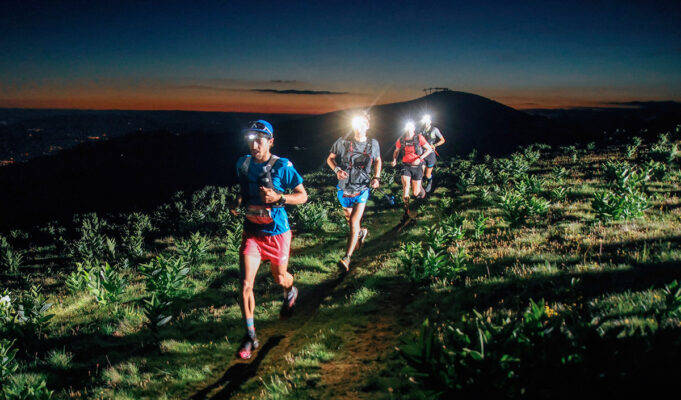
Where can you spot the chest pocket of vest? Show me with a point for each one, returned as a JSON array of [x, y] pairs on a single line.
[[358, 163]]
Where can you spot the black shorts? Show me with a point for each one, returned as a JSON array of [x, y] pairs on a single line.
[[430, 160], [412, 171]]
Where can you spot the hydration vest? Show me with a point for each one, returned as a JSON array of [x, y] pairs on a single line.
[[413, 142], [358, 167], [264, 177], [430, 138]]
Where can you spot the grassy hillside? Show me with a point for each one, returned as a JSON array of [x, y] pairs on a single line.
[[549, 273]]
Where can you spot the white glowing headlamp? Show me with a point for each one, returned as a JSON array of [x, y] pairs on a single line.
[[409, 126], [360, 123], [426, 119]]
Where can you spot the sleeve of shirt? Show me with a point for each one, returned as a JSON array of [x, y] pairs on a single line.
[[422, 140], [437, 133], [397, 144], [375, 149], [290, 177], [337, 148]]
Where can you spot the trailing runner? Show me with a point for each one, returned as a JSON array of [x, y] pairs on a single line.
[[357, 164], [414, 149], [435, 139], [263, 178]]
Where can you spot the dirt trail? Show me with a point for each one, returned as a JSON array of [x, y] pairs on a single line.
[[362, 353]]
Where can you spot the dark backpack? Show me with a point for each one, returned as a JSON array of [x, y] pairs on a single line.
[[264, 178]]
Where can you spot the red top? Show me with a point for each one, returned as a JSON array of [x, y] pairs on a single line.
[[410, 155]]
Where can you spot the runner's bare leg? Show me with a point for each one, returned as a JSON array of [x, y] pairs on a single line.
[[406, 180], [354, 217], [249, 269]]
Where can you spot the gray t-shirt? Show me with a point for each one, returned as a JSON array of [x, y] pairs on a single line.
[[432, 136], [355, 158]]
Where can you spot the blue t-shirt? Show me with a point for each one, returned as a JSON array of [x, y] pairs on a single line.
[[284, 176]]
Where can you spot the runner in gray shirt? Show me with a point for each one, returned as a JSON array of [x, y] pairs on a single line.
[[435, 139], [357, 164]]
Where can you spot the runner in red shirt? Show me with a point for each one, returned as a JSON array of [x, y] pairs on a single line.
[[414, 149]]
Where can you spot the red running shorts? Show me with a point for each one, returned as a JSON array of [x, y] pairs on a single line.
[[274, 248]]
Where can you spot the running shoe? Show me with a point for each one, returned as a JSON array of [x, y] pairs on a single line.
[[344, 264], [429, 184], [248, 345], [422, 194], [363, 233], [289, 304]]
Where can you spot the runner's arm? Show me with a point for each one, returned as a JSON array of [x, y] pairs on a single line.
[[395, 153], [439, 143], [331, 162], [234, 207], [378, 164], [299, 195], [429, 149]]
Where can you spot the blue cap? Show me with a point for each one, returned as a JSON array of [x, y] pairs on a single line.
[[260, 126]]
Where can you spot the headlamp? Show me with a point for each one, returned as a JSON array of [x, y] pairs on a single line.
[[409, 126], [360, 123], [426, 119]]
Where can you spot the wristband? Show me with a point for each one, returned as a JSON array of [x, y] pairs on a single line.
[[281, 201], [337, 169]]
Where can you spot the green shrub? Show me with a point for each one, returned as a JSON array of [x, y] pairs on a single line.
[[91, 245], [165, 277], [631, 151], [105, 284], [8, 365], [618, 206], [30, 318], [11, 260], [157, 313], [560, 173], [570, 151], [480, 225], [672, 299], [664, 152], [26, 389], [194, 249], [310, 217], [483, 358], [234, 239]]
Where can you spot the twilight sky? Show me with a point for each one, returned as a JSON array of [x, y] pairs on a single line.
[[312, 57]]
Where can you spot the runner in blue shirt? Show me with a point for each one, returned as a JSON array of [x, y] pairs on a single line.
[[264, 178]]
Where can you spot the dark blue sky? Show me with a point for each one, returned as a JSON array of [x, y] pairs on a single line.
[[212, 55]]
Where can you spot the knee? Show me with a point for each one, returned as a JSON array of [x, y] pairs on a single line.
[[246, 288]]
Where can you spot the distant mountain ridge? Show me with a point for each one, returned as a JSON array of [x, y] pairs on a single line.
[[139, 171]]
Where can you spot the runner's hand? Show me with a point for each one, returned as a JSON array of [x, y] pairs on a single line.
[[393, 163], [341, 174], [374, 183], [268, 196]]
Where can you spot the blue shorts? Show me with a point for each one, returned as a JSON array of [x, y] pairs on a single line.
[[348, 202], [430, 160]]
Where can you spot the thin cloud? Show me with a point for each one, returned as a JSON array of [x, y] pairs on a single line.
[[282, 81], [294, 91]]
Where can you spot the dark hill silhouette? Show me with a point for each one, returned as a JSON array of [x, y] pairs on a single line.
[[137, 172], [467, 120]]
